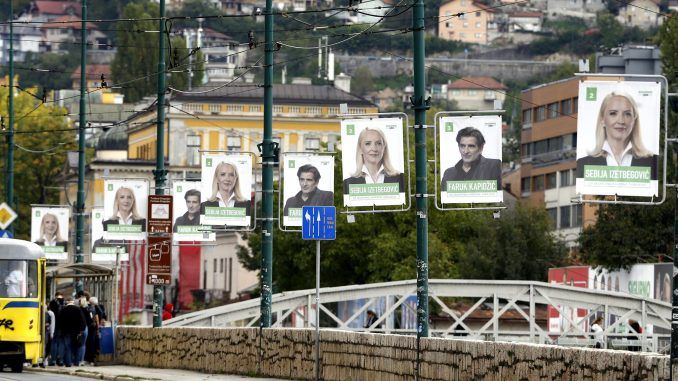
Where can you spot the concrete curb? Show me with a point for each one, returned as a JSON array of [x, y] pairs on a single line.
[[89, 374]]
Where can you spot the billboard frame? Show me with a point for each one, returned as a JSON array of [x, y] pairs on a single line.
[[253, 219], [281, 183], [436, 126], [406, 143], [665, 92]]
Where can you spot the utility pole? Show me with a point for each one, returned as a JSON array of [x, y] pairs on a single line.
[[268, 160], [80, 202], [160, 173], [420, 105], [9, 169]]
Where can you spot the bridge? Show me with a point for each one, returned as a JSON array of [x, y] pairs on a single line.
[[575, 308]]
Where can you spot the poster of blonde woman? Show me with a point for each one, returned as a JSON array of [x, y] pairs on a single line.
[[49, 229], [104, 250], [470, 159], [373, 162], [618, 138], [125, 204], [227, 190], [308, 181], [187, 199]]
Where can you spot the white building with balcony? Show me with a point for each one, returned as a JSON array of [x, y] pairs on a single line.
[[476, 93]]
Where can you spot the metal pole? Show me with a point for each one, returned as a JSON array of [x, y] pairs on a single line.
[[268, 160], [80, 202], [420, 105], [160, 173], [9, 186], [673, 351], [317, 310]]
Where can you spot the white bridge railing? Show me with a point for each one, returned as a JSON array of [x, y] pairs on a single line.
[[495, 298]]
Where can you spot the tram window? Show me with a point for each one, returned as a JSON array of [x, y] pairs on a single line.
[[18, 279]]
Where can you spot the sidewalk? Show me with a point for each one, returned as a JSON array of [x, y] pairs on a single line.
[[122, 373]]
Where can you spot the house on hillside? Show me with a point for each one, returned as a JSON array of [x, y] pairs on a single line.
[[26, 40], [65, 30], [643, 14], [466, 21], [526, 21], [576, 8], [50, 10], [476, 93]]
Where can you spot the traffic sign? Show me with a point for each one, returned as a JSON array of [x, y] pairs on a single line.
[[318, 223], [7, 215], [6, 234]]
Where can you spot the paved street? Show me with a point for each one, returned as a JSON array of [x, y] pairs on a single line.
[[120, 372]]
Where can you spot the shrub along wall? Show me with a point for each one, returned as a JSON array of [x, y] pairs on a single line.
[[346, 356]]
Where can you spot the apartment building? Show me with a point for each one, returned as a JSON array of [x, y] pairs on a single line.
[[466, 21], [548, 155]]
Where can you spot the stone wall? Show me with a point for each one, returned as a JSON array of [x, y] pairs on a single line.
[[346, 356]]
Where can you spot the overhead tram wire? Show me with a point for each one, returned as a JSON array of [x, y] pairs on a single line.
[[218, 87], [349, 38]]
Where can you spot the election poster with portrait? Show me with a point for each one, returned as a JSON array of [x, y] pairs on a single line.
[[125, 204], [373, 163], [618, 138], [470, 159], [49, 229], [187, 198], [308, 181], [227, 187], [104, 250]]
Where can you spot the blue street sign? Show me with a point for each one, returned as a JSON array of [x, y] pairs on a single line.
[[318, 223], [6, 234]]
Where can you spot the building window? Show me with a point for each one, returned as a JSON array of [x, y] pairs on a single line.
[[551, 180], [575, 105], [456, 93], [472, 92], [577, 215], [478, 35], [312, 144], [527, 117], [221, 265], [478, 24], [462, 35], [541, 113], [553, 110], [192, 149], [565, 217], [565, 179], [538, 183], [465, 25], [553, 216], [477, 14], [214, 268], [566, 107], [525, 185], [233, 143]]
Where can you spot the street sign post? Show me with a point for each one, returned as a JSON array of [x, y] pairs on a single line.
[[318, 223], [7, 215], [6, 234]]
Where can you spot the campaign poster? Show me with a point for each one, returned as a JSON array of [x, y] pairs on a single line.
[[187, 198], [618, 138], [104, 250], [227, 186], [470, 159], [49, 229], [125, 204], [373, 163], [308, 181]]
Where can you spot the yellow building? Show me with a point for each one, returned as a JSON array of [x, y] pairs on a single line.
[[466, 21], [231, 119]]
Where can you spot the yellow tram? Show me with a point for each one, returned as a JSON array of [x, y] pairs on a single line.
[[22, 309]]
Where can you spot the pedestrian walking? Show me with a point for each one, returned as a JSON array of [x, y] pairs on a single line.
[[92, 345], [56, 351], [89, 321], [634, 330], [371, 319], [598, 333], [72, 328], [50, 321]]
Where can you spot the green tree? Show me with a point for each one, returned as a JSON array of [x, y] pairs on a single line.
[[362, 82], [39, 155], [136, 61], [611, 30], [668, 43]]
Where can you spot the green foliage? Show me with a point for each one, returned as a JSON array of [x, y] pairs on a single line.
[[627, 234], [63, 65], [382, 247], [35, 174], [668, 43], [361, 82], [134, 69], [18, 5]]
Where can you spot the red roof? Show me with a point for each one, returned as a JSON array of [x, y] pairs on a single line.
[[67, 22], [476, 83], [94, 72], [57, 7]]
